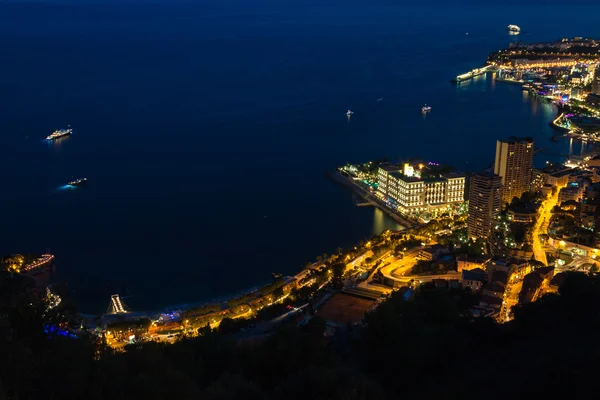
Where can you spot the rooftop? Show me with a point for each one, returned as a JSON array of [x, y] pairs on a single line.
[[515, 139], [434, 179], [532, 279], [435, 247], [453, 175], [477, 259], [389, 168], [476, 274], [497, 287], [499, 260], [486, 174], [499, 276], [399, 175], [560, 174]]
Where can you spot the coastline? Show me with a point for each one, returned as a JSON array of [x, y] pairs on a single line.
[[253, 299]]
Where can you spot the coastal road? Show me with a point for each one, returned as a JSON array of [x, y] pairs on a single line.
[[399, 273], [398, 268], [376, 286], [267, 326]]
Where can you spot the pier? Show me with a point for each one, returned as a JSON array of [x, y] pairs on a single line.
[[472, 74]]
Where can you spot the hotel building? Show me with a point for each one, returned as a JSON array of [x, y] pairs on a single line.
[[412, 194]]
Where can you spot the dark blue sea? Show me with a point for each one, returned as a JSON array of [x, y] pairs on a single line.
[[206, 128]]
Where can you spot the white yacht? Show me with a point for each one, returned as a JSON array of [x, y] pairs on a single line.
[[426, 108], [349, 113], [59, 133], [514, 28]]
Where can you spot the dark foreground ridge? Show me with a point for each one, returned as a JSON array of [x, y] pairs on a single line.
[[430, 347]]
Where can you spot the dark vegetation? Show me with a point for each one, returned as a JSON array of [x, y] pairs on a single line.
[[427, 348]]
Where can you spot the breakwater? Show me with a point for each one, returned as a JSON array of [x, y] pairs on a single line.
[[473, 73]]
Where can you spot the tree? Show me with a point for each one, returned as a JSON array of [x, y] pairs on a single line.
[[228, 326], [342, 383], [278, 293], [233, 386], [337, 271], [315, 327], [421, 267]]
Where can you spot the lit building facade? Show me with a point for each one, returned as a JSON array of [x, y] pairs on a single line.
[[525, 63], [514, 164], [485, 204], [596, 82], [411, 194]]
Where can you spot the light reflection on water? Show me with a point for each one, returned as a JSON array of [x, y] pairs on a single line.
[[382, 222], [56, 143]]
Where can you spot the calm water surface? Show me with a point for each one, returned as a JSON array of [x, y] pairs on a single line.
[[205, 130]]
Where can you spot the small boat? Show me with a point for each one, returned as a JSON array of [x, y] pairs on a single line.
[[514, 28], [78, 182], [426, 108], [349, 113]]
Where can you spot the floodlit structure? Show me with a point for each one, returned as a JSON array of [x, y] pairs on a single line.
[[411, 194]]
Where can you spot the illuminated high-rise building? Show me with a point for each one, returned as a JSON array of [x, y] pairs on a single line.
[[514, 164], [596, 82], [485, 204]]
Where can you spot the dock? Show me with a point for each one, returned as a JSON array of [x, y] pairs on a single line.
[[473, 73]]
